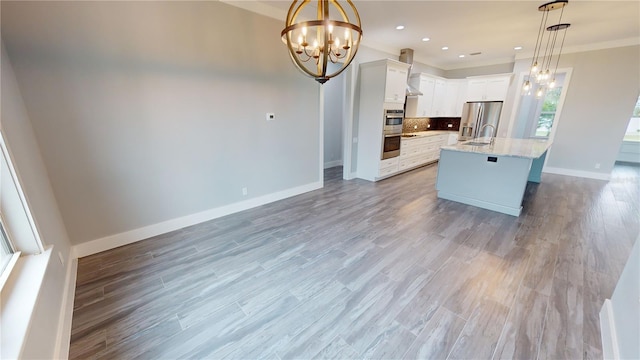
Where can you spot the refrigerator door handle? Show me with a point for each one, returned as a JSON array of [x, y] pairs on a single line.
[[478, 119]]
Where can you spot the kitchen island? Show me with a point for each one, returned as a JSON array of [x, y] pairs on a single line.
[[492, 176]]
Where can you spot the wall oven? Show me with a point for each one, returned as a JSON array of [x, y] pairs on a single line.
[[392, 133]]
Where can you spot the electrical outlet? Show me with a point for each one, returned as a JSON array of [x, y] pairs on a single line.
[[244, 191], [61, 258], [271, 116], [597, 165]]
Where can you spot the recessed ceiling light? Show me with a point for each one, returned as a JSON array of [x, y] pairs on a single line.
[[425, 39], [460, 56], [400, 27], [445, 48], [517, 48]]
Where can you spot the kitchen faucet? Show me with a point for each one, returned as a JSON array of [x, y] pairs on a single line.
[[493, 131]]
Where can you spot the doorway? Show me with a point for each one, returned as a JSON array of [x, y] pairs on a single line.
[[333, 119], [630, 147]]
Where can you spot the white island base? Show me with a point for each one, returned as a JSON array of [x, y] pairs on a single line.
[[491, 177]]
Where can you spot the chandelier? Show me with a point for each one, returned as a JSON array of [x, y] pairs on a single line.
[[541, 64], [313, 43]]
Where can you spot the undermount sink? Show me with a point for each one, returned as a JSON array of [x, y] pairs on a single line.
[[477, 143]]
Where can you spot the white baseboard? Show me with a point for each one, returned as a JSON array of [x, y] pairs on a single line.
[[331, 164], [608, 332], [63, 338], [577, 173], [128, 237]]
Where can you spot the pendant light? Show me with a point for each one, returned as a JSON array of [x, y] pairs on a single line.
[[540, 70], [333, 35]]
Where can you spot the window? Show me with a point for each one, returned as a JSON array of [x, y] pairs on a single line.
[[18, 234], [6, 250], [633, 129], [548, 112]]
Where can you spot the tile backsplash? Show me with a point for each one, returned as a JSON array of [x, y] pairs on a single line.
[[425, 123], [415, 124]]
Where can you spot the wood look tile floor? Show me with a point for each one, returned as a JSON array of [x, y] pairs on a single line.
[[369, 270]]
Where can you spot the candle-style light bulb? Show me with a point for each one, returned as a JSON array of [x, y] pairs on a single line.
[[346, 45], [534, 68], [330, 29], [527, 86]]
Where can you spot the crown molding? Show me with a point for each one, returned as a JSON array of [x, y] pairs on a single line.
[[590, 47]]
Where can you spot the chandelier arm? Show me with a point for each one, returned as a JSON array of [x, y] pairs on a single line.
[[309, 56]]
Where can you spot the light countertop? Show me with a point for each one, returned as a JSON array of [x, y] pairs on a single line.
[[524, 148], [428, 133]]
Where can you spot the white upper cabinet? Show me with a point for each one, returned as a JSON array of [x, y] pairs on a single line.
[[421, 106], [439, 94], [490, 88], [396, 83], [440, 97], [453, 98]]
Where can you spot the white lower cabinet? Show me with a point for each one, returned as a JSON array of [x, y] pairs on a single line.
[[421, 150], [388, 166]]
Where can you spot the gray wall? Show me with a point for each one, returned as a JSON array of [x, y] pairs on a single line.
[[34, 179], [600, 98], [150, 111], [480, 70]]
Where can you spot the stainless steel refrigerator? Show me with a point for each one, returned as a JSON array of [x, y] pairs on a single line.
[[477, 114]]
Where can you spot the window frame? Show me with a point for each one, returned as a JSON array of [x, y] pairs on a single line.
[[18, 246]]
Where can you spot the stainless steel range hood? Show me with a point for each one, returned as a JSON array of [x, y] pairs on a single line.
[[406, 56]]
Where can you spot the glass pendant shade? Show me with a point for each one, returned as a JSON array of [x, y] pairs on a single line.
[[315, 37]]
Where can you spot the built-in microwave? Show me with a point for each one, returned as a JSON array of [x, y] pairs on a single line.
[[393, 121]]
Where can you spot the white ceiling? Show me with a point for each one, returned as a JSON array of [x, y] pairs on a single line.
[[493, 28]]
